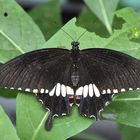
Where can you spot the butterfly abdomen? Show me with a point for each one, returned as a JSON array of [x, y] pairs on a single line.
[[75, 78]]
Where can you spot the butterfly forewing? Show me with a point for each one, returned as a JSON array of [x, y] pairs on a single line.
[[40, 72], [112, 70], [35, 70], [109, 72]]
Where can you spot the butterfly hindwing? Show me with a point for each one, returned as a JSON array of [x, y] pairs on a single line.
[[91, 106], [57, 106]]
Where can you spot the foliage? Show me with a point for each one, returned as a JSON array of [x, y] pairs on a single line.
[[7, 131], [19, 34], [129, 132], [48, 23], [103, 10]]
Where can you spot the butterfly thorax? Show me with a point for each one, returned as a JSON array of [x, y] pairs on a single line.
[[75, 45]]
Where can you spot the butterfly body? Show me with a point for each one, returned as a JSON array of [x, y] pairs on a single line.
[[61, 78]]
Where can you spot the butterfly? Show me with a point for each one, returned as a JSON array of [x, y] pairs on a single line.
[[61, 78]]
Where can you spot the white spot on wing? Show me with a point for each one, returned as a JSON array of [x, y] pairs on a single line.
[[96, 91], [122, 90], [90, 90], [64, 114], [55, 115], [85, 91], [92, 116], [115, 91], [46, 91], [69, 91], [130, 88], [42, 90], [104, 91], [63, 90], [51, 93], [19, 88], [79, 91], [35, 90], [108, 91], [41, 101], [58, 89], [27, 89]]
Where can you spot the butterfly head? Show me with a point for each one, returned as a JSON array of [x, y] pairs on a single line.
[[75, 45]]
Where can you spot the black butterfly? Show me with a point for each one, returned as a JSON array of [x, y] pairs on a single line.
[[61, 78]]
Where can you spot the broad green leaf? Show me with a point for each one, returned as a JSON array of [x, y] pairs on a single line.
[[104, 10], [120, 39], [125, 109], [129, 133], [8, 93], [7, 130], [47, 18], [31, 117], [89, 21], [18, 33]]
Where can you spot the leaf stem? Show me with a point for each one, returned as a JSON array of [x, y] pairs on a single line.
[[108, 26], [11, 41], [39, 126]]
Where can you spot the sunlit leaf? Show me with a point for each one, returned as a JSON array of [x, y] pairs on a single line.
[[129, 132], [18, 33], [104, 10]]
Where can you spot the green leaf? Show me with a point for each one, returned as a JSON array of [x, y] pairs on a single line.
[[7, 131], [104, 10], [18, 33], [129, 133], [7, 93], [32, 116], [120, 39], [89, 21], [125, 109], [48, 23]]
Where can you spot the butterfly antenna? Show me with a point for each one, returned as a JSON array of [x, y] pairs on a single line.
[[81, 35], [67, 34]]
